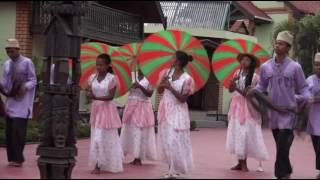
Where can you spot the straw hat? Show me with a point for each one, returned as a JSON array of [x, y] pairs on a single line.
[[252, 57], [12, 43]]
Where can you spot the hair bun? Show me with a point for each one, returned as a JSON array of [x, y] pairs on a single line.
[[190, 58]]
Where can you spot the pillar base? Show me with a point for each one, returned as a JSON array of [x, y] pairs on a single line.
[[56, 163]]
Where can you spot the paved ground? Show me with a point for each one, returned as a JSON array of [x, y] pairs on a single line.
[[211, 161]]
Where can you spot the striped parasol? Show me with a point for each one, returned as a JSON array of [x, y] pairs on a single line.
[[130, 53], [158, 53], [89, 53], [225, 62]]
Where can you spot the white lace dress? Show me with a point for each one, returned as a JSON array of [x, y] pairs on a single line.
[[105, 147], [175, 147], [244, 134], [138, 133]]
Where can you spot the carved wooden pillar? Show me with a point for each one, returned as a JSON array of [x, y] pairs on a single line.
[[60, 97]]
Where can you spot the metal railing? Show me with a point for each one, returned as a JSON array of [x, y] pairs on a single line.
[[100, 23]]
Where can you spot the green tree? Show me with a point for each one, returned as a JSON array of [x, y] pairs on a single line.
[[306, 33]]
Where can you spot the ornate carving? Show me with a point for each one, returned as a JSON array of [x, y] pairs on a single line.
[[60, 101], [45, 122], [60, 120]]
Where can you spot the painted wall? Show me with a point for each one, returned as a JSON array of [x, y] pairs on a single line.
[[226, 101], [8, 26], [264, 32], [268, 4]]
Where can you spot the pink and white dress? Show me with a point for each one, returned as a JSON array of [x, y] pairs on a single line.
[[174, 127], [105, 147], [244, 134], [138, 133]]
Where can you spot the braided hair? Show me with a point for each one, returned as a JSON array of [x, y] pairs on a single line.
[[252, 68]]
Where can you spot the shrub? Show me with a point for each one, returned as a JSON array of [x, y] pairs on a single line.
[[83, 131]]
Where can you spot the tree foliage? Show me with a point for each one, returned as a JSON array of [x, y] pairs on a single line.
[[306, 33]]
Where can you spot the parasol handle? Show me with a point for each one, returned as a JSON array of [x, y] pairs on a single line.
[[135, 72], [170, 70]]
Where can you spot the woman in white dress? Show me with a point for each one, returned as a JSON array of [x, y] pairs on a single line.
[[138, 133], [174, 119], [244, 134], [105, 147]]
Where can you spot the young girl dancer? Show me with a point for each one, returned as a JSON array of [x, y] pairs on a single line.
[[173, 116], [244, 134], [138, 133], [105, 148]]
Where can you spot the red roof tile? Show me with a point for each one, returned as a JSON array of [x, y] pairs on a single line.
[[254, 10], [306, 6]]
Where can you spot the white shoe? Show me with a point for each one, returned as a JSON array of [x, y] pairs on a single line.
[[176, 175], [260, 169], [167, 176]]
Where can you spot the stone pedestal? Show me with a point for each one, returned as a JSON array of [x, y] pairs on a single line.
[[56, 163]]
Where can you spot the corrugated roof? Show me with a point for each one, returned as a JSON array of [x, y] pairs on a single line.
[[199, 14]]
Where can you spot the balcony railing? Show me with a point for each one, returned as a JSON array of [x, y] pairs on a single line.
[[100, 23]]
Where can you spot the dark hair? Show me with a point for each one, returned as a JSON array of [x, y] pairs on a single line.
[[184, 58], [106, 58], [252, 68]]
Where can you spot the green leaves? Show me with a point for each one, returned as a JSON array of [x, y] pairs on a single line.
[[306, 39]]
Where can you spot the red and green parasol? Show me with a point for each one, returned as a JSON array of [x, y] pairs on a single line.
[[224, 60], [158, 53], [89, 53], [130, 53]]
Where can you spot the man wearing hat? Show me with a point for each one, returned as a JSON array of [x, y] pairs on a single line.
[[313, 108], [283, 78], [18, 84]]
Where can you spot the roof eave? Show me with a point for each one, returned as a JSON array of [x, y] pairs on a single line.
[[263, 19]]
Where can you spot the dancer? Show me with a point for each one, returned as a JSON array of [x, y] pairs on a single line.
[[138, 133], [18, 84], [283, 78], [105, 147], [244, 135], [173, 116], [313, 126]]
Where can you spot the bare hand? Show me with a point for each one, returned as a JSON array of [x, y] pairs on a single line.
[[232, 85], [236, 77], [90, 94], [165, 84], [164, 79], [247, 90], [135, 85]]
